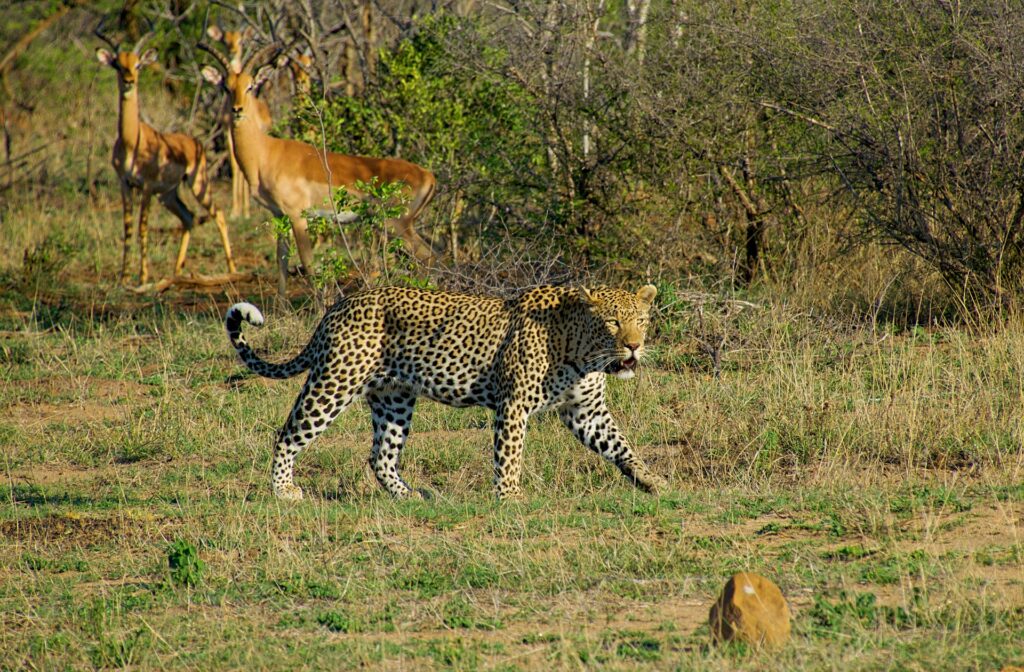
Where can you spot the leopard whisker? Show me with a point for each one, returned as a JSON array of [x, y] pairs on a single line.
[[601, 361]]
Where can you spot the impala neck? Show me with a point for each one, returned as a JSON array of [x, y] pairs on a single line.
[[128, 123], [250, 146]]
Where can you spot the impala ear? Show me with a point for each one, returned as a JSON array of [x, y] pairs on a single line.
[[105, 57], [212, 75], [262, 75], [586, 297], [147, 58], [646, 294], [215, 32]]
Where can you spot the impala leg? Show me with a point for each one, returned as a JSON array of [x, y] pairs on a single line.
[[246, 194], [173, 202], [179, 262], [200, 188], [144, 236], [302, 244], [282, 264], [237, 179], [300, 229], [126, 215], [222, 228], [404, 225]]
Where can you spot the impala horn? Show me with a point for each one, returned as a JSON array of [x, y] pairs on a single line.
[[221, 58], [145, 38], [262, 56], [98, 32]]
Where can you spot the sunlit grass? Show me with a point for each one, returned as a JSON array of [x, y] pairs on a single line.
[[840, 463]]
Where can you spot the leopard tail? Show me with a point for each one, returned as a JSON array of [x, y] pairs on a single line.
[[251, 314]]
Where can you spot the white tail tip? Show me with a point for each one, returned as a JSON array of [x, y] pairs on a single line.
[[248, 312]]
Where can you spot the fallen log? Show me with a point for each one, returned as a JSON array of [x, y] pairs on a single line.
[[193, 280]]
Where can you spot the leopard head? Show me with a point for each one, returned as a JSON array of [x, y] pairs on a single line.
[[618, 323]]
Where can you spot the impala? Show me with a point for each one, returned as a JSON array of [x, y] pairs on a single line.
[[154, 163], [300, 65], [289, 177], [233, 41]]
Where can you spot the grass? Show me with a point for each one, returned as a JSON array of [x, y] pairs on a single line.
[[872, 470], [874, 476]]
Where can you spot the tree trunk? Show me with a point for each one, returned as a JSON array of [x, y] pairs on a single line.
[[636, 30], [755, 216]]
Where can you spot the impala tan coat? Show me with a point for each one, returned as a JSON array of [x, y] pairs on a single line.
[[155, 163], [288, 176], [233, 41]]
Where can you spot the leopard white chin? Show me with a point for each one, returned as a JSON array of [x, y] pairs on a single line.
[[624, 368]]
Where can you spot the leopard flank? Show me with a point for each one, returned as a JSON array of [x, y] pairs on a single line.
[[552, 347]]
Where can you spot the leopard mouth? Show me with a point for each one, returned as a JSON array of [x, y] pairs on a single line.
[[620, 365]]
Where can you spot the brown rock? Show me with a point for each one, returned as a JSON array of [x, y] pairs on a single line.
[[750, 609]]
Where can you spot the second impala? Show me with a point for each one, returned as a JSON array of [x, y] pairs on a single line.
[[288, 177]]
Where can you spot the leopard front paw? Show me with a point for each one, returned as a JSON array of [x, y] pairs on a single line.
[[410, 493], [651, 483], [289, 492], [511, 494]]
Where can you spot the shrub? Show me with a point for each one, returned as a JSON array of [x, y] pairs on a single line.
[[185, 565]]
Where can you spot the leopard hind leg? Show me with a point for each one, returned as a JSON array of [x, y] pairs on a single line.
[[391, 412], [325, 395]]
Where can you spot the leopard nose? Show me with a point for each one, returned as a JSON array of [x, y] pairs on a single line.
[[632, 345]]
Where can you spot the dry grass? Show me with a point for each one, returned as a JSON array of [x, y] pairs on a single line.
[[841, 462]]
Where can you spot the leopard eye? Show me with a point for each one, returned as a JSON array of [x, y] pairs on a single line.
[[614, 324]]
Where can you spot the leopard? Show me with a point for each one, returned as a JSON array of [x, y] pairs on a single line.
[[551, 347]]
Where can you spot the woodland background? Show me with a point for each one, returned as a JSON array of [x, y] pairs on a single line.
[[857, 153]]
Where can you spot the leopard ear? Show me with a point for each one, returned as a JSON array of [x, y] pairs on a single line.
[[646, 294], [586, 297]]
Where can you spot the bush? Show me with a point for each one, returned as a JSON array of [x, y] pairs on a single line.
[[915, 110], [185, 565]]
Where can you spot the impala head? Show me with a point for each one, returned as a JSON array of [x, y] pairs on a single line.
[[241, 88], [233, 41], [300, 65], [240, 85], [127, 64]]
